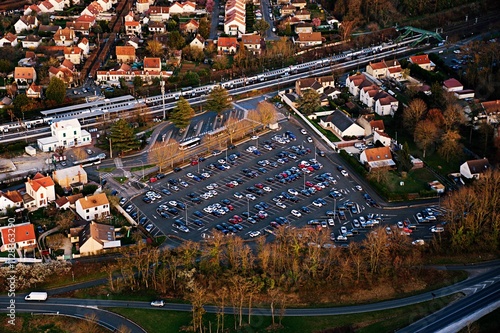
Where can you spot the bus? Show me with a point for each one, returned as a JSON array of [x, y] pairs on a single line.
[[189, 143]]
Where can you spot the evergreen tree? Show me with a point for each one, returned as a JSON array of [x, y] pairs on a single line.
[[218, 100], [309, 102], [122, 137], [181, 114], [56, 90]]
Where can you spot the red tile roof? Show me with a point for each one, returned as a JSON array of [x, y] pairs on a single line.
[[22, 233], [420, 59]]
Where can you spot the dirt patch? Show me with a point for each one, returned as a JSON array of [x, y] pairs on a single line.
[[49, 323]]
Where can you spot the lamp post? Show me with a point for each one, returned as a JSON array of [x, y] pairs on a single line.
[[142, 166], [304, 179], [162, 85], [110, 148], [186, 209], [248, 207]]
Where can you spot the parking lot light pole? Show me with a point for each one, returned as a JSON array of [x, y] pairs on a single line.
[[186, 209], [304, 179], [142, 165], [248, 207]]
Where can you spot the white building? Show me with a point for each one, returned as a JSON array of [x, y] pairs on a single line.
[[93, 207], [96, 237], [24, 236], [473, 169], [10, 199], [342, 125], [74, 176], [39, 191], [65, 133]]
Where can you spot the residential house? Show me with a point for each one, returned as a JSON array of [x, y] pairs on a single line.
[[308, 83], [299, 4], [63, 73], [10, 199], [367, 94], [128, 74], [287, 10], [423, 61], [84, 45], [93, 207], [491, 110], [71, 177], [68, 202], [357, 82], [437, 186], [20, 236], [46, 7], [82, 24], [73, 54], [182, 8], [49, 29], [125, 54], [473, 169], [142, 6], [132, 28], [235, 18], [93, 9], [382, 137], [377, 125], [34, 91], [303, 28], [198, 42], [227, 45], [252, 43], [329, 92], [309, 39], [377, 69], [96, 237], [39, 191], [394, 69], [159, 13], [133, 41], [26, 22], [464, 94], [65, 133], [373, 158], [5, 101], [152, 64], [129, 17], [452, 85], [303, 15], [24, 76], [32, 9], [57, 4], [385, 104], [105, 5], [190, 26], [64, 37], [31, 42], [8, 39], [155, 26], [342, 125]]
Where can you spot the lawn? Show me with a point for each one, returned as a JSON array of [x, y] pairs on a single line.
[[121, 180], [107, 169], [139, 168], [415, 184], [380, 321], [332, 137]]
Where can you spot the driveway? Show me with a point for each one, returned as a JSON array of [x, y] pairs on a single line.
[[215, 20]]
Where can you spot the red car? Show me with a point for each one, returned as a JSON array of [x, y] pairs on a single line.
[[194, 162], [318, 188], [309, 184], [230, 207], [274, 224], [232, 220], [238, 218], [230, 185], [259, 185]]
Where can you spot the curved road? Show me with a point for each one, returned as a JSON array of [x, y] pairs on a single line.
[[484, 282]]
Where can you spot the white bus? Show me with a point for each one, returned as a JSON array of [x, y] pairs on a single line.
[[189, 144]]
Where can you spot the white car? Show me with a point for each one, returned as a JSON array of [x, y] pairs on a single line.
[[331, 222], [303, 131], [437, 229], [418, 242], [254, 234], [309, 139], [317, 203], [344, 173], [250, 196], [238, 195], [400, 225], [159, 303], [173, 203], [280, 205], [341, 238], [267, 189], [149, 227], [208, 210], [190, 175], [251, 149], [293, 191], [206, 175], [209, 187], [296, 213], [254, 137], [343, 230], [359, 188]]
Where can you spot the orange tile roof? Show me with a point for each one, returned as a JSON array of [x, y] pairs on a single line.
[[378, 65], [310, 36], [152, 62], [491, 107], [378, 124], [250, 39], [93, 201], [378, 154], [10, 37], [13, 196], [125, 50], [420, 59], [24, 73], [24, 232], [227, 41], [40, 181]]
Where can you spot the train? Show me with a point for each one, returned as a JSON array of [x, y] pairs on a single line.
[[105, 106]]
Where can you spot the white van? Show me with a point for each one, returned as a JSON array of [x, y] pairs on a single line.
[[36, 296]]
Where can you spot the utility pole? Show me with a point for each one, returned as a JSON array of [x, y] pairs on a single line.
[[110, 148], [162, 84]]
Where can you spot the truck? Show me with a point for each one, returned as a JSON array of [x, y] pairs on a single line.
[[36, 296]]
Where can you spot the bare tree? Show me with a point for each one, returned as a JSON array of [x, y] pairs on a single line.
[[267, 113], [346, 29], [64, 219], [233, 128], [380, 175], [450, 145], [413, 113], [80, 153], [163, 153], [453, 116], [426, 134]]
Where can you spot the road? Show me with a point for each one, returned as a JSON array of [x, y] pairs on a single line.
[[488, 292]]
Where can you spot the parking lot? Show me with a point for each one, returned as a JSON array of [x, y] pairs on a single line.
[[275, 181]]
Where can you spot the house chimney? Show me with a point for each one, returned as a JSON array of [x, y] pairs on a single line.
[[86, 199]]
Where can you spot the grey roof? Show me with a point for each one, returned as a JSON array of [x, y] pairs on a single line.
[[340, 120]]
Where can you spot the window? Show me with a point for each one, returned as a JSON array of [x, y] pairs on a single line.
[[64, 135], [86, 211], [95, 208], [74, 132], [41, 195]]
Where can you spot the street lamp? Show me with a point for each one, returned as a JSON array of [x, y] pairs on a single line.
[[186, 209], [248, 207], [142, 166], [304, 179]]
